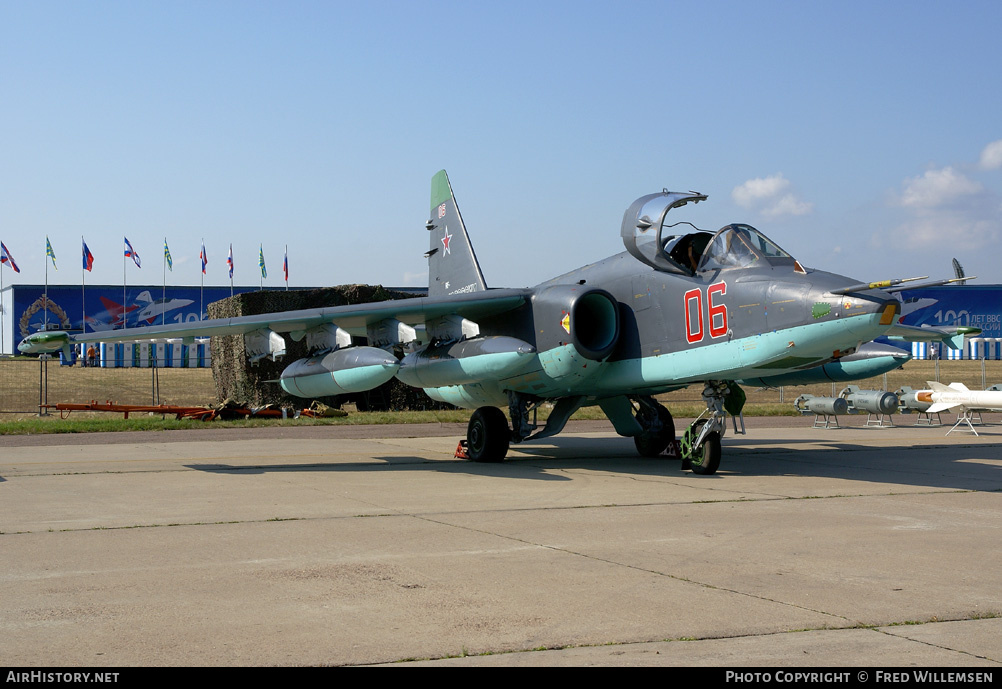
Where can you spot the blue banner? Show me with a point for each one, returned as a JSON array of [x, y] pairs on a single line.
[[104, 307], [954, 305]]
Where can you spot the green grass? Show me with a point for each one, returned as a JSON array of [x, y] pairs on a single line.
[[90, 423], [194, 387], [94, 422]]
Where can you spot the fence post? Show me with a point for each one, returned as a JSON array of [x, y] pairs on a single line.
[[43, 384], [155, 373]]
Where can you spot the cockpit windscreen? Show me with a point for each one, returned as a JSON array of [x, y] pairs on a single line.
[[737, 246]]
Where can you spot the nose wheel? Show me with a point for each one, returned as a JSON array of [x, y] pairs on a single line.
[[701, 450], [700, 444]]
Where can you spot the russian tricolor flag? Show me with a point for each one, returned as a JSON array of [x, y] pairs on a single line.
[[88, 258], [131, 253], [5, 257]]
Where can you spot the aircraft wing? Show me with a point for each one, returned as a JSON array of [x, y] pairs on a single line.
[[353, 318], [952, 336]]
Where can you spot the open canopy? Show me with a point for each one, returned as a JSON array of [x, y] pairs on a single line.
[[649, 237]]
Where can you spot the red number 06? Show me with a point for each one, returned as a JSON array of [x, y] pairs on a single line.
[[716, 313]]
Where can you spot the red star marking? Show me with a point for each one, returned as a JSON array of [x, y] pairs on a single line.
[[445, 241]]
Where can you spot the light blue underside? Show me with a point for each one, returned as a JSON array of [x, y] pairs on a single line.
[[743, 358], [340, 382], [471, 369]]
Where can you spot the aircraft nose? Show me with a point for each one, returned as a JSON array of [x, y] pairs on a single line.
[[876, 302], [866, 310]]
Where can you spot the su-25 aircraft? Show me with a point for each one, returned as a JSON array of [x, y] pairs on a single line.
[[679, 307]]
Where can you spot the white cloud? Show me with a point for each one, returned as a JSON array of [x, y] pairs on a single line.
[[991, 156], [948, 211], [944, 213], [937, 188], [760, 188], [770, 196], [788, 204], [949, 232]]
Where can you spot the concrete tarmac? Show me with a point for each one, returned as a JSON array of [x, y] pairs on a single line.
[[845, 547]]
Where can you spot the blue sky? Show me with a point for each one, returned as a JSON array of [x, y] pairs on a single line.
[[864, 138]]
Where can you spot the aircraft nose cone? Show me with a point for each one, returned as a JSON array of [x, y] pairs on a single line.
[[877, 309], [866, 310]]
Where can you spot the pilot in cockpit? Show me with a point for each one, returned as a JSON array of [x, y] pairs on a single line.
[[689, 249], [739, 246]]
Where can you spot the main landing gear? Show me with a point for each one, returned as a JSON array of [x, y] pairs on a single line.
[[487, 435], [658, 425]]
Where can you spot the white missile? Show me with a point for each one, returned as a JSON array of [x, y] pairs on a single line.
[[958, 396]]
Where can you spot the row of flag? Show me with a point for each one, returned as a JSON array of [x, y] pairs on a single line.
[[88, 258]]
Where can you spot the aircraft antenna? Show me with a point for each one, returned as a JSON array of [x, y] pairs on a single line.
[[958, 270]]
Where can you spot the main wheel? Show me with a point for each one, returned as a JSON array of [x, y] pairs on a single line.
[[653, 444], [487, 436]]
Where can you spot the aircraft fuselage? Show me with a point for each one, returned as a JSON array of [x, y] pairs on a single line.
[[673, 330]]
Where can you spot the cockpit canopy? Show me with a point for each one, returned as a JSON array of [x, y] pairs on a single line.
[[737, 246], [650, 239]]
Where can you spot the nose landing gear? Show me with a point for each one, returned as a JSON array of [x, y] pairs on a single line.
[[700, 445]]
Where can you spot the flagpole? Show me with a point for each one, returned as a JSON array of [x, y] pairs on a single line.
[[49, 253], [286, 268], [5, 257], [45, 307], [1, 309], [163, 320], [201, 287], [83, 288], [124, 280]]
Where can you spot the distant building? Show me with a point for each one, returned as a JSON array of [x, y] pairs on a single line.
[[101, 307], [978, 306], [95, 308]]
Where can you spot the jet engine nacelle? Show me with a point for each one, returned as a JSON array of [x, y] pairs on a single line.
[[585, 317], [870, 401], [353, 369]]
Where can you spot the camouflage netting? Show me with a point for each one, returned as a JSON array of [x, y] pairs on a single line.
[[236, 378]]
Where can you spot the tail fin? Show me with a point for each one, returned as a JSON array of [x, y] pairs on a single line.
[[452, 264]]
